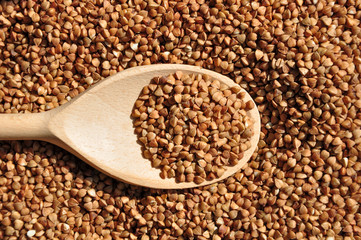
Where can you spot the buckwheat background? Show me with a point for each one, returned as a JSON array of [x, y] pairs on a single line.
[[300, 60]]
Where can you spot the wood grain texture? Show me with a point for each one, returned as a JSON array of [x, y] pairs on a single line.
[[96, 126]]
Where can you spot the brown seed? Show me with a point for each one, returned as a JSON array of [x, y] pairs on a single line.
[[92, 193], [258, 54], [103, 23], [198, 179]]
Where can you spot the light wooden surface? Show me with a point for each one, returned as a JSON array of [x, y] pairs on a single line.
[[96, 126]]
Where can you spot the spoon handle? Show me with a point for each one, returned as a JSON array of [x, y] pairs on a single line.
[[31, 126]]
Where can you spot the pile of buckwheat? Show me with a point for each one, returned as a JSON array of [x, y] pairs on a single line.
[[301, 62], [192, 126]]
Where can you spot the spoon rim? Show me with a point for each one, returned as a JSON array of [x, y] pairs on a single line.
[[168, 183]]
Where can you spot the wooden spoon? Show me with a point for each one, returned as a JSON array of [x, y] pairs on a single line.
[[96, 126]]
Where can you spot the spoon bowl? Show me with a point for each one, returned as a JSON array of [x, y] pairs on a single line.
[[96, 127]]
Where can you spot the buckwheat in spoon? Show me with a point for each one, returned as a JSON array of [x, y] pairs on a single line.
[[167, 126]]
